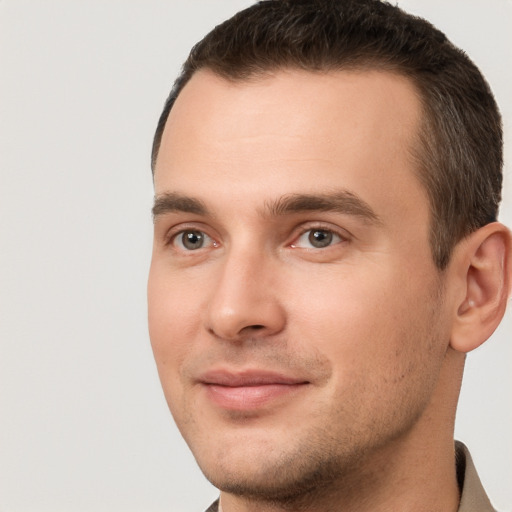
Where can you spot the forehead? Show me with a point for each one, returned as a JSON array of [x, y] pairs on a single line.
[[294, 130]]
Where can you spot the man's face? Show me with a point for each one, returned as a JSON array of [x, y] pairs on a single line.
[[296, 315]]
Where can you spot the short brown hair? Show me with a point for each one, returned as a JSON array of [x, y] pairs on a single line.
[[460, 150]]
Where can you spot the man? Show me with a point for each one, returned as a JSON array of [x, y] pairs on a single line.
[[327, 179]]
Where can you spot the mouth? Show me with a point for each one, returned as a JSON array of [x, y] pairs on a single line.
[[249, 390]]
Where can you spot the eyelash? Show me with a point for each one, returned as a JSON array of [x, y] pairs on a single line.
[[334, 234], [173, 237]]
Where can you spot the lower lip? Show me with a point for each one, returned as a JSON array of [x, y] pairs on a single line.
[[242, 398]]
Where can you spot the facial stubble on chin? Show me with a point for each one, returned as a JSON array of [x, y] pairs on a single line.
[[322, 465], [292, 475], [309, 471], [294, 482]]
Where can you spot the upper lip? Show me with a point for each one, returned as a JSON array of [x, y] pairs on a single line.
[[248, 378]]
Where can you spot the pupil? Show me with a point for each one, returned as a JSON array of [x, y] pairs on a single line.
[[192, 240], [320, 238]]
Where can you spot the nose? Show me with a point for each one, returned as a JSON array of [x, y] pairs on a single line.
[[244, 303]]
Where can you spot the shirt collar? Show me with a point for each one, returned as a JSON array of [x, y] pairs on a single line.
[[473, 497]]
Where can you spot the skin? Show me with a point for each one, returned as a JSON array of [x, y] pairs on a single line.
[[361, 327]]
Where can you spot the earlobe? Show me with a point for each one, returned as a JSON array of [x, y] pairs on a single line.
[[487, 268]]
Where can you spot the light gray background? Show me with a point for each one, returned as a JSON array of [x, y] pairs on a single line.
[[83, 423]]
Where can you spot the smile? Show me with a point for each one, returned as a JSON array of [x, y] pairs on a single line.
[[249, 390]]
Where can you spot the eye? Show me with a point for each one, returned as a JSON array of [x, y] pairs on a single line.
[[317, 238], [191, 240]]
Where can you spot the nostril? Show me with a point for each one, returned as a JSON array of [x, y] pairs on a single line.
[[257, 327]]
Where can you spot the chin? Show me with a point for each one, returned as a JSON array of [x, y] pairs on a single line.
[[264, 472], [279, 483]]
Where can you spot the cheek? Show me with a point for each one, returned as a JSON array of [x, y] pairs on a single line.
[[172, 320], [371, 325], [173, 305], [380, 344]]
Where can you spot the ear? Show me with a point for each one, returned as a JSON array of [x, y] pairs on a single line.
[[485, 261]]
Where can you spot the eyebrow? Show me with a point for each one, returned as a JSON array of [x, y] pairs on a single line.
[[344, 202], [173, 202]]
